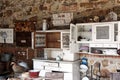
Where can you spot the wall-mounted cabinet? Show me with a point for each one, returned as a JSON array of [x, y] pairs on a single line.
[[51, 39], [95, 36]]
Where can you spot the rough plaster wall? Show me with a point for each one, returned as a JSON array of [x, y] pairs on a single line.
[[11, 10]]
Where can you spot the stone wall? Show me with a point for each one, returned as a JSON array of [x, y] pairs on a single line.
[[12, 10], [108, 64]]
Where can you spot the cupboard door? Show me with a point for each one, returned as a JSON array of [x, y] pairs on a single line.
[[53, 40], [68, 76], [103, 32], [73, 44], [118, 36], [66, 67], [84, 32], [40, 40], [65, 40], [72, 33], [24, 39]]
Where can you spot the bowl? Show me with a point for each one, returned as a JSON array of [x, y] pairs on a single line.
[[83, 68], [84, 62], [34, 73], [85, 78], [118, 70]]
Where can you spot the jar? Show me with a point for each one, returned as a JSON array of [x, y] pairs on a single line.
[[44, 26]]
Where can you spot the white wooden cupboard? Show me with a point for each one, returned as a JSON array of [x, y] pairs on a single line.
[[83, 38], [52, 39], [88, 37], [69, 68]]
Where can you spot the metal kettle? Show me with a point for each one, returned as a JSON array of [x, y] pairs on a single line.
[[58, 58]]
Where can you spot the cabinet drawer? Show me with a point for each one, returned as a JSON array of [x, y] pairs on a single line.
[[38, 65], [96, 45], [66, 67], [110, 45], [52, 68], [50, 64], [68, 76]]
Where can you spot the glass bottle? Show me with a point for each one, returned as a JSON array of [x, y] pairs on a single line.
[[44, 26]]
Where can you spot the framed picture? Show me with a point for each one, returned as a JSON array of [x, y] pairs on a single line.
[[6, 35]]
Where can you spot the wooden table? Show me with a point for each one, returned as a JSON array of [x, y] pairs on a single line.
[[41, 78], [48, 76]]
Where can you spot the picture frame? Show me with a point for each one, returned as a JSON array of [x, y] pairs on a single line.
[[6, 35]]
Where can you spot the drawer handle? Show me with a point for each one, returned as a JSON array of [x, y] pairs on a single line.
[[96, 45]]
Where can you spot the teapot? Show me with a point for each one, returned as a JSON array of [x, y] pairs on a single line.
[[58, 58]]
